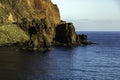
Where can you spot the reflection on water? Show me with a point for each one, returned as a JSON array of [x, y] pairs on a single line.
[[94, 62], [34, 65]]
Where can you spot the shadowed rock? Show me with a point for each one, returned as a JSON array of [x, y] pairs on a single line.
[[38, 31], [65, 33]]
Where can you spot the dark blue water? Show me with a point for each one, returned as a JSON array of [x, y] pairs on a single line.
[[100, 61]]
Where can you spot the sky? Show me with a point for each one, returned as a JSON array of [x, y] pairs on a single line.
[[100, 14]]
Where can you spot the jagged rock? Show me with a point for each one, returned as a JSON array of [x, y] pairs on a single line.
[[78, 39], [65, 33], [15, 10], [39, 33], [81, 39], [40, 22]]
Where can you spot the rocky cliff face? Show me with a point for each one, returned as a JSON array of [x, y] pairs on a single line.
[[40, 20], [29, 14], [15, 10], [65, 33]]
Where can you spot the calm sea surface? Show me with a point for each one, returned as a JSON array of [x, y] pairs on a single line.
[[100, 61]]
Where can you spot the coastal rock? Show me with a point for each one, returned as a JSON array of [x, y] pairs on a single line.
[[81, 39], [39, 21], [78, 39], [65, 33], [37, 18], [39, 32]]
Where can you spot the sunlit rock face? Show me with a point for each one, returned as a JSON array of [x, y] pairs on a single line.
[[14, 10], [30, 13], [40, 20]]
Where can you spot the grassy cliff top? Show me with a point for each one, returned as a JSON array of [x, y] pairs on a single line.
[[10, 33]]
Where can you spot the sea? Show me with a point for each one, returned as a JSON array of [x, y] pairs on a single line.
[[100, 61]]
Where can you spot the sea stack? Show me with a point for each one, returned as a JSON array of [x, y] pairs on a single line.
[[41, 23]]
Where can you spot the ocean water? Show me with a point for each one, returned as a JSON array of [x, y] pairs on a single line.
[[100, 61]]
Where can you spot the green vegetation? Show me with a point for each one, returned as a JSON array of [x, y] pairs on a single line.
[[11, 34]]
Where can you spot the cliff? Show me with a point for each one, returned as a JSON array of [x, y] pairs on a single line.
[[15, 10], [39, 21]]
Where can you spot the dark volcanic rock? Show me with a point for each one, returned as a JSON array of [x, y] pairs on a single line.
[[81, 39], [78, 39], [65, 33]]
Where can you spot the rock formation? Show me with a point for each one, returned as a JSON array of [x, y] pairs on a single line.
[[15, 10], [65, 33], [40, 20]]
